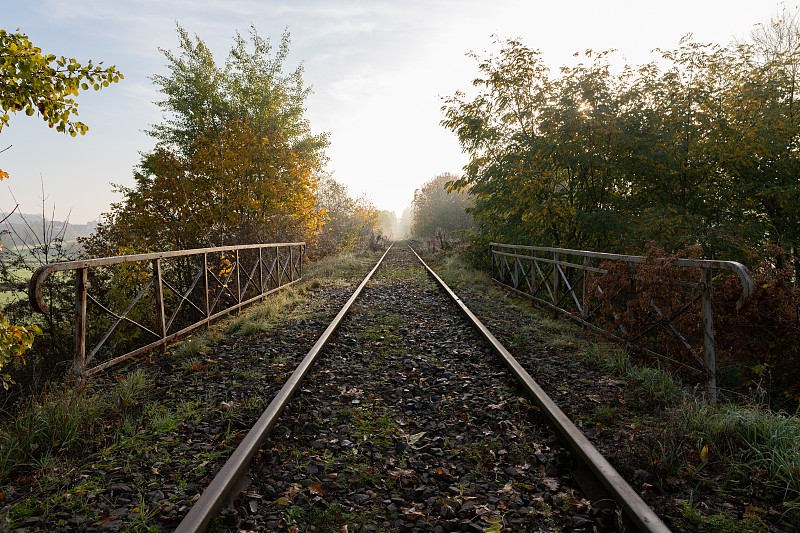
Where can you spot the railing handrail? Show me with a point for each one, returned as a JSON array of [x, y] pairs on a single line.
[[239, 283], [40, 276], [741, 271], [565, 257]]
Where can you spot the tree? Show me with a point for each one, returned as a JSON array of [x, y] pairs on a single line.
[[235, 161], [435, 209], [545, 152], [769, 101], [235, 187], [701, 148], [200, 96], [346, 219], [388, 222], [34, 82]]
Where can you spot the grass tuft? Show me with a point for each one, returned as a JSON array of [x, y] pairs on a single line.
[[131, 388], [192, 348], [647, 386], [752, 441], [288, 303], [339, 266], [63, 421]]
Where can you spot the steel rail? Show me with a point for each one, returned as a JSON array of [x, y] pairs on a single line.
[[213, 498], [628, 499]]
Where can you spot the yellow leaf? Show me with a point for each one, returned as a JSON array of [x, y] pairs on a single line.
[[704, 454]]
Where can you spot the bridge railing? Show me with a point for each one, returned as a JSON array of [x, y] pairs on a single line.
[[127, 305], [571, 283]]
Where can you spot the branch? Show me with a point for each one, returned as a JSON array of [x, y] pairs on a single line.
[[15, 207]]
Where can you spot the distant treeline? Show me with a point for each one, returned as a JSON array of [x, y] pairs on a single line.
[[24, 229]]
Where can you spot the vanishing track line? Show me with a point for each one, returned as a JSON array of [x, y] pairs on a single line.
[[415, 419]]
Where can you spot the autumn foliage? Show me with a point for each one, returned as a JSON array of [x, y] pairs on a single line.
[[235, 161], [756, 345], [760, 342], [235, 187], [695, 153], [14, 342]]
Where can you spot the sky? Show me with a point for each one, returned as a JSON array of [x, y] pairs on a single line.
[[379, 70]]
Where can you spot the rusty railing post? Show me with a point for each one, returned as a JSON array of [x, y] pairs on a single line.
[[631, 292], [555, 284], [584, 296], [278, 265], [709, 349], [515, 273], [491, 261], [161, 323], [81, 290], [291, 264], [205, 289], [238, 282], [531, 275], [260, 273]]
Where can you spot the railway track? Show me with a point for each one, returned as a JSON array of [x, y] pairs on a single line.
[[408, 415]]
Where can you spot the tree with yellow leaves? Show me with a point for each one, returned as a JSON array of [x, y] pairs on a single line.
[[235, 161]]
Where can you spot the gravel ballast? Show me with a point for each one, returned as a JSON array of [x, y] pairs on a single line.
[[406, 423], [409, 423]]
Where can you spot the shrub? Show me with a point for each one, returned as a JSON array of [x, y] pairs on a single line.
[[756, 347]]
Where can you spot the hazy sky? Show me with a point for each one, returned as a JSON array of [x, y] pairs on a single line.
[[378, 69]]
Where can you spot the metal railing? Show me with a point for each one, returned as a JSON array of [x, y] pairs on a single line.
[[559, 278], [175, 292]]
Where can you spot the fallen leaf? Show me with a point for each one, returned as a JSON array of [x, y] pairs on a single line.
[[549, 483], [412, 513], [413, 439], [105, 519], [397, 473], [495, 523]]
